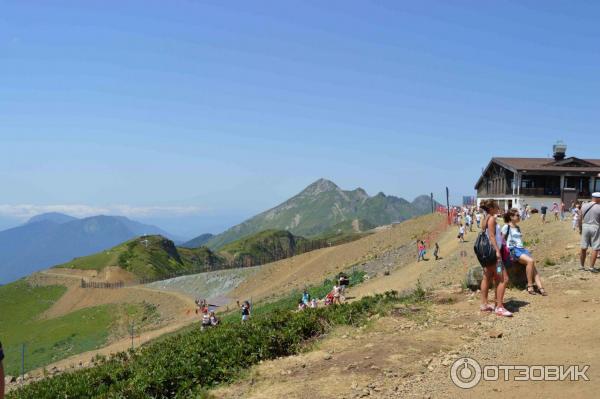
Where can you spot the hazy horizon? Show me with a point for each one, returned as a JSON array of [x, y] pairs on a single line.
[[170, 220]]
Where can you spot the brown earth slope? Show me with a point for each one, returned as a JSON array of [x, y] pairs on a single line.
[[311, 268]]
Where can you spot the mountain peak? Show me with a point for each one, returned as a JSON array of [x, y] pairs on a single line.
[[320, 186], [361, 192]]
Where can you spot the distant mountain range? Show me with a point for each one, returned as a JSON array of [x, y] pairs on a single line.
[[52, 238], [322, 207]]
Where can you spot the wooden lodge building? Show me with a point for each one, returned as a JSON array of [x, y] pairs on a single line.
[[515, 182]]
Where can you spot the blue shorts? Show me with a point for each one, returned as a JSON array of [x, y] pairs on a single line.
[[516, 253]]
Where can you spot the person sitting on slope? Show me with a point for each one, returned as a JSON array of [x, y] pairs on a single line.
[[205, 320], [518, 253]]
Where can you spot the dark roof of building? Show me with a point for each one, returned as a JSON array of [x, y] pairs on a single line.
[[570, 164], [550, 164]]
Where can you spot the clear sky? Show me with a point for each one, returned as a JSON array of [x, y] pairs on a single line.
[[197, 114]]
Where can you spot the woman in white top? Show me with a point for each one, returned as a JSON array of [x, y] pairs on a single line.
[[518, 253], [495, 270]]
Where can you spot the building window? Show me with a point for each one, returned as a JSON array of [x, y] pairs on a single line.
[[526, 183]]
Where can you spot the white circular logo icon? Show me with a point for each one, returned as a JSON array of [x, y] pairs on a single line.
[[465, 373]]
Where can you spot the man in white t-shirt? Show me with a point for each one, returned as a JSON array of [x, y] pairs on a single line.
[[461, 233], [589, 227]]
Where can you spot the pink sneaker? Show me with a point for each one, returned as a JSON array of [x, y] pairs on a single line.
[[486, 308], [503, 312]]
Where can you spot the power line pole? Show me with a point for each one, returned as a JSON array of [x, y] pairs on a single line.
[[132, 331], [448, 203], [22, 364], [432, 207]]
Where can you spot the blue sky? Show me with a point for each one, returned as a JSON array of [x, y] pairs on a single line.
[[197, 114]]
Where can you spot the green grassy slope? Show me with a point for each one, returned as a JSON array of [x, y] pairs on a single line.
[[48, 340], [150, 257]]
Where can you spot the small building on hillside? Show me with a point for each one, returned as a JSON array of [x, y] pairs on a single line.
[[514, 182]]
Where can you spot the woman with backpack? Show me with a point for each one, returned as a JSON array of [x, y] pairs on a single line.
[[493, 269], [518, 253]]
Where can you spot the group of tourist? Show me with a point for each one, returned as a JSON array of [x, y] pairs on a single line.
[[465, 217], [507, 242], [208, 317], [558, 210], [333, 297], [422, 250]]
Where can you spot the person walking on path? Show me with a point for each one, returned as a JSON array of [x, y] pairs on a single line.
[[478, 219], [543, 211], [495, 270], [436, 251], [421, 249], [518, 253], [555, 211], [461, 233], [589, 228], [576, 214], [469, 221]]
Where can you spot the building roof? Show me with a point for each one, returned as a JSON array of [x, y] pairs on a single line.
[[526, 165], [550, 164]]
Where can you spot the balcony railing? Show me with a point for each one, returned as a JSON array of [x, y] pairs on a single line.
[[533, 192]]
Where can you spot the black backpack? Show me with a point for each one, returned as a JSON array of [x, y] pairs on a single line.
[[486, 254]]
